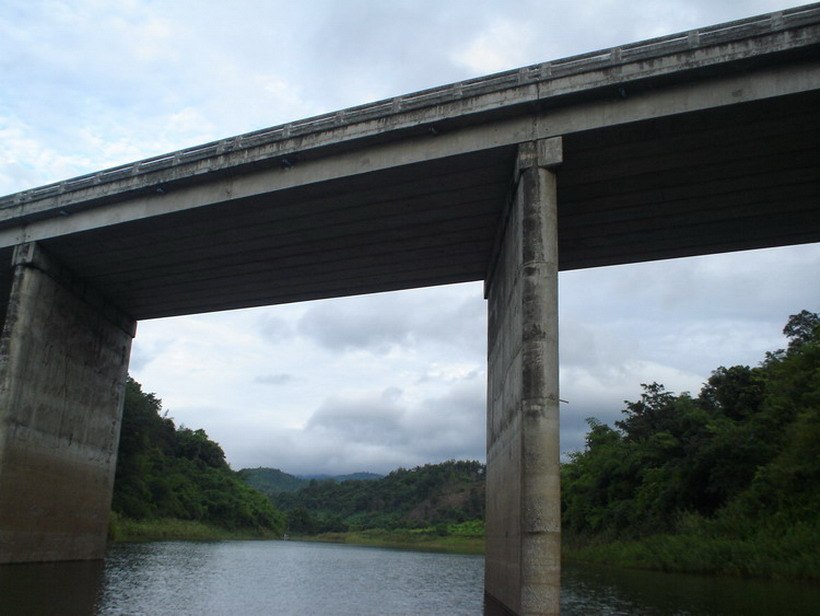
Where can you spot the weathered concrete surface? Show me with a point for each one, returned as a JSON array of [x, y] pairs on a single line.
[[63, 360], [523, 480]]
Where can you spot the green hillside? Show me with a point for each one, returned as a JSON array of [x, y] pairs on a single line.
[[272, 481], [727, 481], [165, 472], [347, 477], [431, 495]]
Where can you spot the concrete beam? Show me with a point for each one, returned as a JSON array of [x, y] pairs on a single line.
[[63, 361], [523, 476], [171, 198], [109, 205], [731, 47]]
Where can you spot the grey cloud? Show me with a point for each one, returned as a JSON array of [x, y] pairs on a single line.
[[405, 46], [453, 425], [692, 314], [355, 324], [442, 375], [143, 354], [382, 430], [275, 329], [701, 287], [462, 323], [139, 359], [381, 322], [275, 379], [591, 344], [375, 419], [418, 36]]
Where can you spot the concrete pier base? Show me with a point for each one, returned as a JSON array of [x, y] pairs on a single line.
[[523, 475], [63, 363]]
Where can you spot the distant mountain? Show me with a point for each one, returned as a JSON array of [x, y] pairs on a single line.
[[354, 476], [433, 495], [274, 481], [271, 480]]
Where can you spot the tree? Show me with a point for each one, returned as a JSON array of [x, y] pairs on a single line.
[[748, 446], [180, 473], [195, 445], [651, 414], [429, 495], [801, 328], [735, 392]]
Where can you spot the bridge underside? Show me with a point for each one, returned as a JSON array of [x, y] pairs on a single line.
[[724, 179]]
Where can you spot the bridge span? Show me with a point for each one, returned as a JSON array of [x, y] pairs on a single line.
[[701, 142]]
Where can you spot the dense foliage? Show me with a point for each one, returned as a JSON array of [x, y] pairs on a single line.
[[169, 472], [431, 495], [273, 480], [741, 458]]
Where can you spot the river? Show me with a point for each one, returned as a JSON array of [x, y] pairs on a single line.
[[289, 577]]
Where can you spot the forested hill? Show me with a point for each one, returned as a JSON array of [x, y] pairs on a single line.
[[347, 477], [169, 472], [431, 495], [726, 481], [272, 480]]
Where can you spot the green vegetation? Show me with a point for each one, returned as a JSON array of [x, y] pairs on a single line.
[[428, 539], [447, 498], [273, 481], [347, 477], [165, 529], [725, 482], [168, 475]]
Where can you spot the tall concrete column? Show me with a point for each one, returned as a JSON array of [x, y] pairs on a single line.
[[64, 356], [523, 538]]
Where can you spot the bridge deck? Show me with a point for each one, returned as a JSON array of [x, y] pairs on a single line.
[[702, 142]]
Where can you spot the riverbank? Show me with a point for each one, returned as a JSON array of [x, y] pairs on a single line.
[[170, 529], [794, 556], [790, 554], [422, 540]]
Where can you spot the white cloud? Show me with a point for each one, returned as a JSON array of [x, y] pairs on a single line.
[[504, 45]]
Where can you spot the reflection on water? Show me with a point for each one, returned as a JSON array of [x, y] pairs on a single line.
[[67, 589], [625, 592], [258, 577]]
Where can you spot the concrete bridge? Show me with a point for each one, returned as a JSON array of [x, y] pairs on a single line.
[[701, 142]]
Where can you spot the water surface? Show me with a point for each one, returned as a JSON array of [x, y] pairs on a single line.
[[274, 577]]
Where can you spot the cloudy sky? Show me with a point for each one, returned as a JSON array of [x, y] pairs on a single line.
[[381, 381]]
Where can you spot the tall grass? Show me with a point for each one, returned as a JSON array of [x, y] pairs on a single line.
[[749, 549], [165, 529], [426, 539]]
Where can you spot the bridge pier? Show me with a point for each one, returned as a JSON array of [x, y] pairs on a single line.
[[64, 356], [523, 476]]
